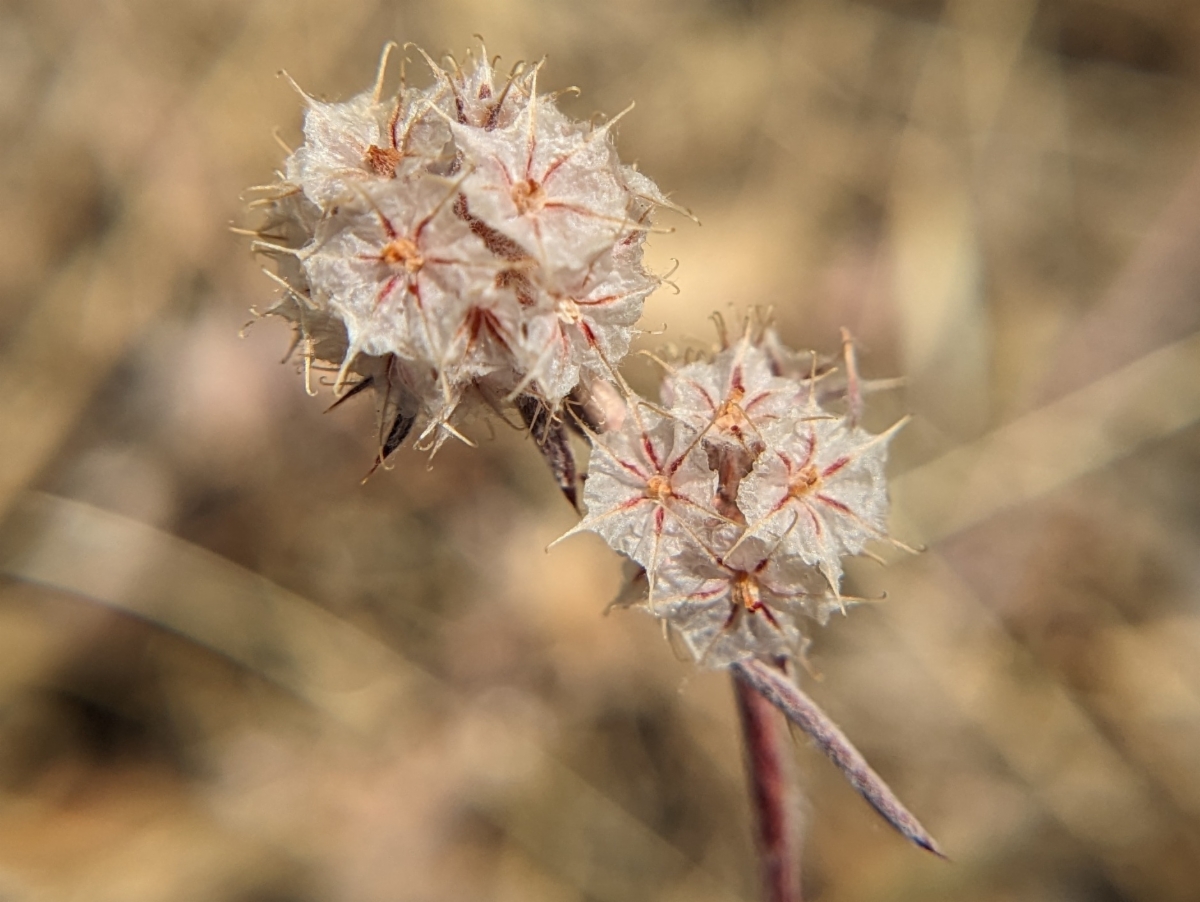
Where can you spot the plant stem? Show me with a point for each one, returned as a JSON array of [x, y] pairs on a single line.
[[769, 767]]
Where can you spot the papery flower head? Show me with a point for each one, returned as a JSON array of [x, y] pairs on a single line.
[[738, 495], [463, 241]]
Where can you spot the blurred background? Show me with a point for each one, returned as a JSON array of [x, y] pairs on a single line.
[[230, 671]]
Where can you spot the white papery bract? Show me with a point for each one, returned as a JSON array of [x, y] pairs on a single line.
[[337, 142], [748, 603], [469, 238], [819, 492], [648, 492], [739, 497], [392, 274], [581, 325], [554, 190], [734, 397]]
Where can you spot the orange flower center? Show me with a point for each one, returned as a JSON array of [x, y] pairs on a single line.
[[402, 253], [745, 591], [382, 160], [804, 482], [658, 487], [528, 196]]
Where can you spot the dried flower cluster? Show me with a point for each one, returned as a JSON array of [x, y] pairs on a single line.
[[738, 496], [465, 241], [470, 242]]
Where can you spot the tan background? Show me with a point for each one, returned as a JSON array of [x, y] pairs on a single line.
[[230, 672]]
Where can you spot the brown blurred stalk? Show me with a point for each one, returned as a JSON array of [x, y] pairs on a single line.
[[769, 767]]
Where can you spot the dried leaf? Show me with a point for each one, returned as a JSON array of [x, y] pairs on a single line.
[[801, 710]]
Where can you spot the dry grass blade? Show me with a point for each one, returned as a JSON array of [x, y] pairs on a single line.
[[1079, 433], [289, 641], [125, 279], [804, 713], [360, 684]]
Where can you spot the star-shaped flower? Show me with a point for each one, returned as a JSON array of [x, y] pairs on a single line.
[[648, 492], [820, 491]]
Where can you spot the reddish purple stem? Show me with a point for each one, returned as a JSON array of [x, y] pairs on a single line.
[[772, 789], [785, 695]]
